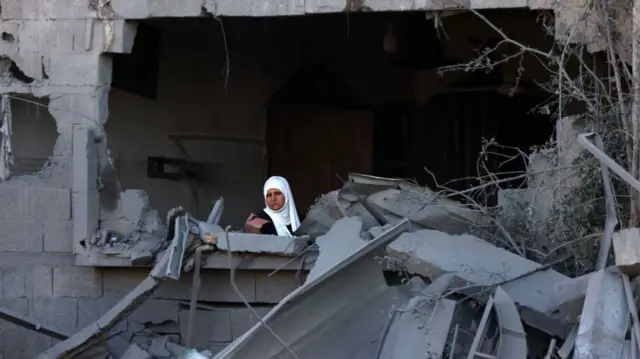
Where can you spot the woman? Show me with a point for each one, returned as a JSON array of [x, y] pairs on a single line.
[[280, 216]]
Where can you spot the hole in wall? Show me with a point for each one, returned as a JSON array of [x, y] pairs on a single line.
[[7, 37], [34, 134], [19, 74]]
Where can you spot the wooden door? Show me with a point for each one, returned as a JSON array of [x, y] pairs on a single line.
[[314, 148]]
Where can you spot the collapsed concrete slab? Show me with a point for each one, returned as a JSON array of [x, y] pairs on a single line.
[[423, 207], [342, 240], [626, 246], [347, 301], [604, 320], [420, 328], [478, 266], [370, 197]]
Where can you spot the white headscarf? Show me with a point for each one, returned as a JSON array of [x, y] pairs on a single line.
[[287, 215]]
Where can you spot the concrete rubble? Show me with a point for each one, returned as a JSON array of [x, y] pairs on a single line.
[[481, 300], [459, 296]]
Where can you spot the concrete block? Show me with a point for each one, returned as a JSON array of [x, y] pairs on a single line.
[[61, 313], [256, 8], [175, 8], [259, 243], [210, 326], [40, 281], [118, 282], [91, 309], [156, 311], [47, 9], [626, 246], [22, 343], [85, 159], [21, 236], [57, 172], [130, 9], [64, 36], [23, 282], [215, 287], [13, 283], [80, 108], [273, 289], [135, 352], [242, 319], [58, 236], [86, 212], [77, 282], [49, 203], [12, 197], [18, 305], [11, 9], [79, 69]]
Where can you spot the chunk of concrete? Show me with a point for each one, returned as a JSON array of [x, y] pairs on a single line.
[[604, 320], [423, 207], [478, 265], [338, 244], [513, 339], [260, 243], [626, 246], [420, 328], [135, 352], [328, 209]]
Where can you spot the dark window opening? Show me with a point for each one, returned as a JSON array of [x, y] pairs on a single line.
[[137, 72]]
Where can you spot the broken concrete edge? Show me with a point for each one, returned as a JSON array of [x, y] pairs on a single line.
[[367, 248], [216, 260], [627, 251], [532, 286], [513, 342], [340, 242], [605, 318], [199, 8]]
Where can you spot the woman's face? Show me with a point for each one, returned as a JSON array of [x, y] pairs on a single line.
[[275, 199]]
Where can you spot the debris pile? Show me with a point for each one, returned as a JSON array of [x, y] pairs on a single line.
[[481, 300], [461, 296]]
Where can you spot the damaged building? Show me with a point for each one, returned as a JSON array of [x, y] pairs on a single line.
[[116, 112]]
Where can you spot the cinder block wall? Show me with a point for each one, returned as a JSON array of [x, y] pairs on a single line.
[[43, 214]]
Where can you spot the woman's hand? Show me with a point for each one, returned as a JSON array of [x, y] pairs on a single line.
[[254, 224]]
